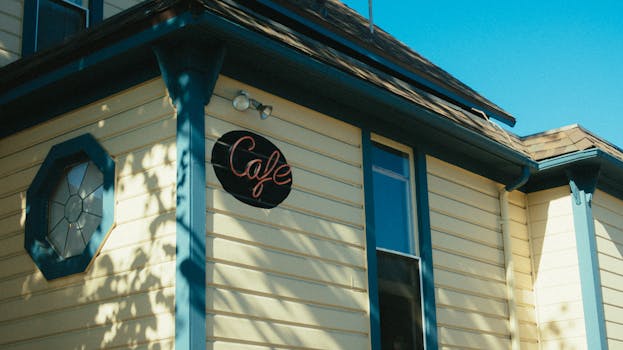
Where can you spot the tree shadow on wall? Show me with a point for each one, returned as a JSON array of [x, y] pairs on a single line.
[[125, 299]]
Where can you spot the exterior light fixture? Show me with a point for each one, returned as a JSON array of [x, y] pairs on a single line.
[[243, 101]]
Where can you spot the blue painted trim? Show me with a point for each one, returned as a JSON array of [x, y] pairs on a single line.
[[50, 173], [426, 251], [568, 159], [29, 27], [373, 288], [523, 178], [96, 12], [583, 182], [190, 72]]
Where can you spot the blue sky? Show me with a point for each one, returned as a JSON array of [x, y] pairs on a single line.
[[549, 63]]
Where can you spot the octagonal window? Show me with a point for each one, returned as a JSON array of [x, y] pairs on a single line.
[[70, 207], [75, 209]]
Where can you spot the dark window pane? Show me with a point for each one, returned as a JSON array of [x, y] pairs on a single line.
[[390, 159], [400, 302], [58, 21]]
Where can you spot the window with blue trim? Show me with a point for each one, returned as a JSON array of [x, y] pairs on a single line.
[[70, 207], [399, 280], [51, 22]]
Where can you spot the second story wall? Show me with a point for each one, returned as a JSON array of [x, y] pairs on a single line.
[[469, 266], [560, 311], [608, 214], [293, 276]]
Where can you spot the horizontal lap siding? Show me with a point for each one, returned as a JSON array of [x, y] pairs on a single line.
[[112, 7], [468, 257], [557, 278], [126, 297], [293, 276], [11, 14], [608, 214]]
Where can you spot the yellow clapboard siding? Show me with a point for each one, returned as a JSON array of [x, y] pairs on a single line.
[[17, 182], [220, 274], [13, 223], [283, 239], [519, 230], [149, 181], [296, 114], [614, 313], [548, 195], [556, 208], [91, 314], [466, 265], [119, 300], [466, 247], [614, 331], [142, 159], [12, 203], [608, 232], [614, 295], [469, 284], [554, 244], [556, 260], [609, 263], [526, 314], [521, 247], [608, 217], [557, 276], [609, 248], [322, 186], [463, 211], [562, 329], [569, 343], [559, 294], [223, 201], [16, 265], [551, 226], [458, 300], [10, 42], [135, 105], [471, 320], [461, 176], [285, 263], [11, 245], [146, 205], [108, 282], [448, 224], [297, 156], [307, 202], [468, 339], [463, 194], [523, 280], [278, 129], [142, 230], [223, 301], [260, 331], [121, 335], [562, 310], [10, 24]]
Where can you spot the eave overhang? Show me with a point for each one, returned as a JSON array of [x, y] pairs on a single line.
[[119, 54]]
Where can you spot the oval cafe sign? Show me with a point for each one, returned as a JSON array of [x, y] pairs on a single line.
[[252, 169]]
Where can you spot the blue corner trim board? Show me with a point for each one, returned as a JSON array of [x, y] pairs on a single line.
[[373, 288], [583, 183], [80, 148], [426, 252], [190, 73]]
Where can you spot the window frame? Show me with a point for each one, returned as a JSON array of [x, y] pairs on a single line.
[[374, 288], [93, 14], [413, 216], [50, 172]]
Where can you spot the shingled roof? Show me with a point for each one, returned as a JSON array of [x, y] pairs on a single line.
[[565, 140]]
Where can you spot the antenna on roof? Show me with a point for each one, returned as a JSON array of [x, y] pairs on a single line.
[[370, 17]]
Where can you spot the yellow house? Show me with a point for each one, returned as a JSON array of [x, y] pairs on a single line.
[[268, 174]]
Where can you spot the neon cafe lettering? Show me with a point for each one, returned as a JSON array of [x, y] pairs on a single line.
[[257, 170]]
